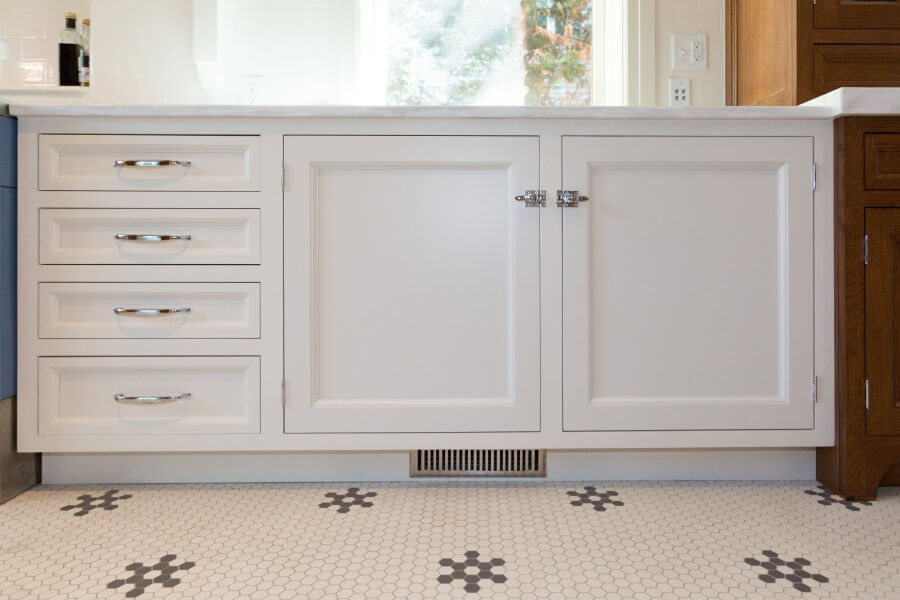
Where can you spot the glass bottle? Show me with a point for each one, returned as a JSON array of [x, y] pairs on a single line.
[[71, 45], [86, 53]]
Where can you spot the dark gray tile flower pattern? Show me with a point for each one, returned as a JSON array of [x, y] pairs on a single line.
[[795, 571], [472, 570], [143, 576], [827, 498], [599, 500], [350, 499], [87, 503]]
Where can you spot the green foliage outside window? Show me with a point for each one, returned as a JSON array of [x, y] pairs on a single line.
[[558, 51], [459, 52]]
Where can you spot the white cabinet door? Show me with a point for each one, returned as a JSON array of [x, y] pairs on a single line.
[[411, 284], [688, 284]]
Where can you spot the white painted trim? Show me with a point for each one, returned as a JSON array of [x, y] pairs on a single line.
[[756, 464]]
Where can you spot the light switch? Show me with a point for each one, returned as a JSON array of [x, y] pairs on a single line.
[[689, 51]]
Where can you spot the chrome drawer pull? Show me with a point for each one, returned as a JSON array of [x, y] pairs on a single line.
[[144, 164], [125, 399], [151, 237], [151, 311]]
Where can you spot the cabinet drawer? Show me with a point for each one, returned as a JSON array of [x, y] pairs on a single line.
[[149, 162], [859, 65], [176, 395], [149, 236], [148, 310], [882, 161]]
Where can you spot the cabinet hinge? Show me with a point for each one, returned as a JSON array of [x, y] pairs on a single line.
[[283, 392], [867, 394], [814, 384], [866, 250], [812, 176], [282, 177]]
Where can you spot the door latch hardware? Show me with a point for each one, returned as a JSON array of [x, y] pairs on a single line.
[[867, 394], [533, 198], [569, 198], [815, 388]]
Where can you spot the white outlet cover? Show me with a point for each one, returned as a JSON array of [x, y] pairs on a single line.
[[251, 89], [679, 91], [689, 51]]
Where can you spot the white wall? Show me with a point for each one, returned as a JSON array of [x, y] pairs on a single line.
[[306, 51], [28, 30], [141, 52], [691, 16]]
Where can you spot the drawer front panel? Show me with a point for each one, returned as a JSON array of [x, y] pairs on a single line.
[[129, 236], [149, 162], [148, 310], [180, 395], [882, 161], [860, 65]]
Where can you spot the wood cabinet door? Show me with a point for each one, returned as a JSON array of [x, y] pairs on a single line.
[[412, 288], [883, 321], [856, 14], [688, 284]]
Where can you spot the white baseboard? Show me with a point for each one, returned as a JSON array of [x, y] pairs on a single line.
[[761, 464]]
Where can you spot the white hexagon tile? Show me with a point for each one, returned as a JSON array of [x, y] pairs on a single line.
[[603, 540]]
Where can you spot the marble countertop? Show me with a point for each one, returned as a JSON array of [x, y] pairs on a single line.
[[842, 102]]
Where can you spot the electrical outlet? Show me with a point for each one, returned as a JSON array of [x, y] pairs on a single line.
[[251, 88], [689, 51], [679, 91]]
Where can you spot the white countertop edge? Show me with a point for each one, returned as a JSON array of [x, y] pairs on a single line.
[[842, 102], [432, 112]]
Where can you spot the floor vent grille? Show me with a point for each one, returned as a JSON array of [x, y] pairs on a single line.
[[478, 463]]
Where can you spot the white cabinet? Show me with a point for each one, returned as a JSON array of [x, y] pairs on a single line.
[[148, 310], [150, 162], [688, 284], [148, 395], [79, 236], [412, 290]]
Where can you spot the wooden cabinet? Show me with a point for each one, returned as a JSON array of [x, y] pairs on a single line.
[[412, 284], [856, 14], [867, 280], [669, 322], [785, 52], [883, 321]]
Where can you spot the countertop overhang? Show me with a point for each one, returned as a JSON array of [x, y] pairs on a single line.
[[842, 102]]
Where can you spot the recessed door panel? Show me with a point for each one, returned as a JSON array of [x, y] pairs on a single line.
[[856, 14], [883, 321], [688, 290], [411, 284]]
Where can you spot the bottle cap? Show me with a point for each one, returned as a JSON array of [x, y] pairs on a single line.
[[85, 21], [70, 15]]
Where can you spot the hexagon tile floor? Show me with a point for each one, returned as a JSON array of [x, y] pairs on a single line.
[[640, 540]]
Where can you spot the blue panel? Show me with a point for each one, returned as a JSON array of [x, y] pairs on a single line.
[[7, 292], [7, 152], [7, 257]]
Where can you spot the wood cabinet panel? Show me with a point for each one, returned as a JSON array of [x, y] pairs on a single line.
[[867, 442], [856, 14], [883, 321], [860, 65], [882, 158]]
